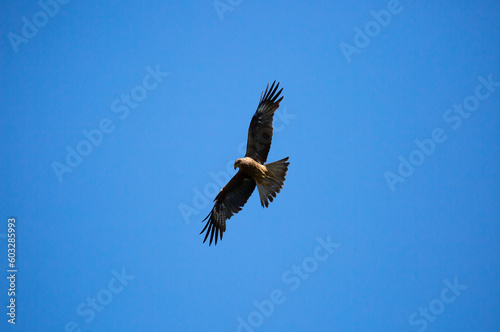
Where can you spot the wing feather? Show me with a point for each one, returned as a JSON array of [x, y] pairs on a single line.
[[228, 202], [260, 132]]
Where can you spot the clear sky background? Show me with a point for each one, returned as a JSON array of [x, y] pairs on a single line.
[[412, 249]]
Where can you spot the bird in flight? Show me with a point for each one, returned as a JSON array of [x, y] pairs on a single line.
[[253, 171]]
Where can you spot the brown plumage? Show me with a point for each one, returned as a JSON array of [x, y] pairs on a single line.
[[269, 178]]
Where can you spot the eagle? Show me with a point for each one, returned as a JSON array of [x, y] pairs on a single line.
[[253, 170]]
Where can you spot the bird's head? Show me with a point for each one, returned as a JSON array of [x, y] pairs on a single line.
[[237, 163]]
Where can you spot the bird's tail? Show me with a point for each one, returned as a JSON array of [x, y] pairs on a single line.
[[273, 181]]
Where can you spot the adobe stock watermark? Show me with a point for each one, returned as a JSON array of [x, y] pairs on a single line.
[[363, 37], [30, 27], [454, 117], [223, 6], [87, 310], [436, 307], [121, 107], [202, 199], [293, 278]]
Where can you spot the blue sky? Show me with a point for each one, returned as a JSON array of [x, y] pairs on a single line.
[[119, 120]]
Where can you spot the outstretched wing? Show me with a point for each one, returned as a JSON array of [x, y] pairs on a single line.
[[229, 201], [260, 133]]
